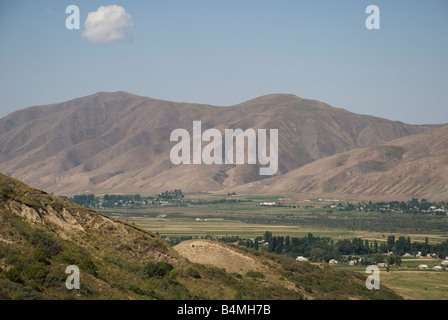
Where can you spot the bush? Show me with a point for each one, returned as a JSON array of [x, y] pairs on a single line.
[[157, 269], [14, 274], [88, 265], [290, 265], [40, 256], [236, 275], [55, 277], [174, 275], [136, 290], [239, 295], [193, 273], [46, 242], [37, 271]]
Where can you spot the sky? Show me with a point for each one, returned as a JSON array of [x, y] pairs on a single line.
[[224, 52]]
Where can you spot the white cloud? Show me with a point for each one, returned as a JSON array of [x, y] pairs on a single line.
[[107, 25]]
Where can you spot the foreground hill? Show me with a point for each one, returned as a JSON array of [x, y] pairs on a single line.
[[40, 235], [119, 142], [412, 166]]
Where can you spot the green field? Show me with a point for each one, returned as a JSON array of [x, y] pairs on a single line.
[[247, 218], [410, 282], [220, 228], [418, 285]]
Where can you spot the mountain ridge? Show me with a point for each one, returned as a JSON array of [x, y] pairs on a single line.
[[119, 142], [412, 166]]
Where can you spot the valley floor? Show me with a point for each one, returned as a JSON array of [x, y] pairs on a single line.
[[248, 220]]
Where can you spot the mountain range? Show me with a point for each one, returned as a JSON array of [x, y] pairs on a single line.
[[120, 142]]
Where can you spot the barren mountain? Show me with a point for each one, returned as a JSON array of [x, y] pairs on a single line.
[[119, 142], [412, 166]]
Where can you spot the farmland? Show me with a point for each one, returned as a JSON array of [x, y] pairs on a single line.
[[219, 217]]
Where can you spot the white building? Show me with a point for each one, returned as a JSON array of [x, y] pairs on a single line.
[[333, 261], [423, 267], [300, 258]]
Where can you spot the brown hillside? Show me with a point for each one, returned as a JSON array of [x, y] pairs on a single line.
[[412, 166], [219, 255], [119, 142]]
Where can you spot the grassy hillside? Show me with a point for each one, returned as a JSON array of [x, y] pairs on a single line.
[[40, 235]]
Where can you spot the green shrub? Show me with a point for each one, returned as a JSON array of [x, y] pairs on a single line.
[[265, 294], [136, 290], [157, 269], [89, 266], [46, 242], [14, 274], [290, 265], [174, 275], [55, 278], [40, 256], [193, 273], [239, 294], [36, 271]]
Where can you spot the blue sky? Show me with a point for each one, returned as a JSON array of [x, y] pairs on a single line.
[[226, 52]]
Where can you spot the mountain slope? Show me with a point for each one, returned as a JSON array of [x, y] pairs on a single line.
[[119, 142], [412, 166]]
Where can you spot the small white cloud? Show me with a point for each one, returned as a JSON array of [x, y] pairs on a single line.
[[107, 25]]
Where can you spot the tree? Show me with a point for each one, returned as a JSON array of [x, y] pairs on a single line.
[[317, 254], [390, 259], [400, 246], [287, 244], [366, 247], [375, 246], [390, 243], [279, 245], [267, 236], [378, 258]]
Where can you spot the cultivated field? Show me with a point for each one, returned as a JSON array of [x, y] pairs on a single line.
[[245, 217]]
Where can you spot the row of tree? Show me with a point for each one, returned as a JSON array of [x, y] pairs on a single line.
[[414, 206], [120, 200], [324, 248]]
